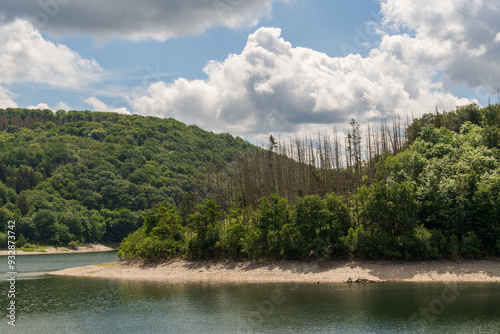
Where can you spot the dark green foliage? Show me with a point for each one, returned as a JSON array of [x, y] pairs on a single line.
[[21, 241], [321, 223], [161, 237], [22, 204], [206, 231], [419, 245], [84, 177], [232, 239], [273, 213], [470, 245], [272, 231], [119, 223], [96, 174], [26, 227], [44, 221], [3, 240], [439, 198], [360, 243], [390, 210]]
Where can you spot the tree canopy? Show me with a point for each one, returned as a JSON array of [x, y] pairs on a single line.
[[436, 194], [92, 176]]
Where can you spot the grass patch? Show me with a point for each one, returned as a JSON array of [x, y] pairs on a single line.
[[64, 250], [28, 250], [41, 250]]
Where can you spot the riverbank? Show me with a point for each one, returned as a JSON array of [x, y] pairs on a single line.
[[61, 250], [323, 272]]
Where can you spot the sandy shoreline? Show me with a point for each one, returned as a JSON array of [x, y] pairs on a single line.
[[62, 250], [323, 272]]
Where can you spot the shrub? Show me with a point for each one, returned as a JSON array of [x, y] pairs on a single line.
[[385, 246], [470, 245], [3, 240], [232, 239], [252, 243], [361, 243], [424, 237], [439, 244], [131, 246], [454, 247], [73, 245]]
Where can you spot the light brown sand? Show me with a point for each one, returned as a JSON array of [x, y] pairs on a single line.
[[324, 272], [62, 250]]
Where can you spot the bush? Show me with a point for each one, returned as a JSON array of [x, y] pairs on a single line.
[[73, 245], [454, 247], [3, 240], [252, 243], [21, 241], [206, 231], [361, 243], [423, 237], [130, 247], [420, 245], [161, 237], [471, 246], [386, 246], [439, 243], [232, 239]]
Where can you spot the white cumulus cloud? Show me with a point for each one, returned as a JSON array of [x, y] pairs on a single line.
[[41, 106], [62, 106], [459, 37], [98, 105], [6, 99], [58, 106], [25, 56], [272, 86]]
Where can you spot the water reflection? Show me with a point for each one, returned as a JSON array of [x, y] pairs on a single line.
[[81, 305]]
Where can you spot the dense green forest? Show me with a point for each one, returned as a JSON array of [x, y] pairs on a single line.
[[423, 188], [82, 176], [427, 189]]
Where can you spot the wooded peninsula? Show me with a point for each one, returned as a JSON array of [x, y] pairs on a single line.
[[422, 188]]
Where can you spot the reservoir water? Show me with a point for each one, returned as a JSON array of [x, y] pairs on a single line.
[[80, 305]]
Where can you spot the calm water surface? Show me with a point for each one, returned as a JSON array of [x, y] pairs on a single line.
[[80, 305]]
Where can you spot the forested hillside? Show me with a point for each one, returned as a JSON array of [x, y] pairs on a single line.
[[429, 188], [92, 176], [431, 191]]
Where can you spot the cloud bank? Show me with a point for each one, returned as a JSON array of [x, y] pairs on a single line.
[[426, 49], [459, 37], [272, 86], [132, 19]]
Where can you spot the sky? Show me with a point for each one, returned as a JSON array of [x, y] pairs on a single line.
[[250, 67]]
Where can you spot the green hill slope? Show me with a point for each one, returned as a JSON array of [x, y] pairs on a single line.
[[91, 176]]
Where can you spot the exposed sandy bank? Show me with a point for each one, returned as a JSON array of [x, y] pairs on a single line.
[[324, 272], [62, 250]]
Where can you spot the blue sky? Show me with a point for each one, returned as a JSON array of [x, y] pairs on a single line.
[[250, 67]]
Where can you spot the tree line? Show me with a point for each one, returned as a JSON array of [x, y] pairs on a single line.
[[430, 189]]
